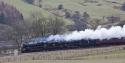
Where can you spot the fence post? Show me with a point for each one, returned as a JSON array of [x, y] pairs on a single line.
[[16, 52]]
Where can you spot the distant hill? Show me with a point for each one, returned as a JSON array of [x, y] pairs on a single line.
[[96, 8]]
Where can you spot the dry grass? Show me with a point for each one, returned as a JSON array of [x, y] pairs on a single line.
[[96, 55], [75, 61]]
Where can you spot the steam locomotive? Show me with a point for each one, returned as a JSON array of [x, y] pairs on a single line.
[[40, 44]]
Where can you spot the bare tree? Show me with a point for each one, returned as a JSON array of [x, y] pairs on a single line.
[[43, 26], [12, 18], [19, 35], [56, 25]]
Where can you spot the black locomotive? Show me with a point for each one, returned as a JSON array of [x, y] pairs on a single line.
[[43, 45]]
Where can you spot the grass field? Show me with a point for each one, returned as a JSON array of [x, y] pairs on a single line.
[[96, 55], [105, 8], [76, 61]]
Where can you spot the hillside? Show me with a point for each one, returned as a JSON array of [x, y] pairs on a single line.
[[96, 8], [26, 9]]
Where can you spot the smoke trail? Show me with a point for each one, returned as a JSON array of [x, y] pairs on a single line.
[[99, 33]]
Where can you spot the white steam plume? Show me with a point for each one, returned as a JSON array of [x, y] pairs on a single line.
[[99, 33]]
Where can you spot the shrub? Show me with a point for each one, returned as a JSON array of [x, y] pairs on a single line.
[[123, 7], [29, 1], [60, 7]]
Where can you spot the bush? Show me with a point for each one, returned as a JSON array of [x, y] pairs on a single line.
[[60, 7], [2, 18], [123, 7], [76, 16], [67, 14], [113, 19], [86, 16], [29, 1]]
